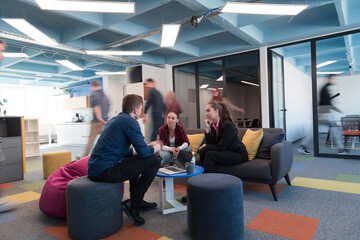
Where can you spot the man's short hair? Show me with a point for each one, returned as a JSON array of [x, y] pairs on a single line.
[[95, 83], [150, 80], [2, 42], [130, 102]]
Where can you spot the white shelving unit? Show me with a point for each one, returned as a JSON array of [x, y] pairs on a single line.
[[32, 144]]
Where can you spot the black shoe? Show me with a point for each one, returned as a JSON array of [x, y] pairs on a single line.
[[132, 214], [184, 199], [145, 206]]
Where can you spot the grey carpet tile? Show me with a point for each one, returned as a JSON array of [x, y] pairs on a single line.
[[20, 229], [31, 213], [11, 191]]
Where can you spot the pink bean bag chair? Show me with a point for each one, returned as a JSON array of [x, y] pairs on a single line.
[[53, 197]]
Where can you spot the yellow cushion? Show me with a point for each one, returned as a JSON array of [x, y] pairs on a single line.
[[195, 141], [54, 160], [252, 141]]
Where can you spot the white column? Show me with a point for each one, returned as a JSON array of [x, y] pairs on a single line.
[[264, 90]]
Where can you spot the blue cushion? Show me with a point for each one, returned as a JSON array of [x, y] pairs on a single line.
[[268, 140]]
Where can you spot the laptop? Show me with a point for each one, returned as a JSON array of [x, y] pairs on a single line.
[[182, 158]]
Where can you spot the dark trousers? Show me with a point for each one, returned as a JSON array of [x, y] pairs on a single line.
[[157, 123], [130, 169], [210, 158]]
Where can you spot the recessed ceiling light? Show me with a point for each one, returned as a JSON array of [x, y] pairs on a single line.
[[15, 55], [329, 72], [25, 27], [204, 86], [69, 64], [87, 6], [123, 53], [169, 34], [220, 79], [263, 8], [250, 83], [325, 63], [110, 73]]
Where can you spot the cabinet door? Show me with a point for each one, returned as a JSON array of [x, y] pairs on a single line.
[[11, 172], [6, 142], [10, 155]]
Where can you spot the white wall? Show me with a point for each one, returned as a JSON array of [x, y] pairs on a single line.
[[298, 102], [264, 88], [113, 88]]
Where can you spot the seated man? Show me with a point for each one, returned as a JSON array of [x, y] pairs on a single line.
[[112, 159]]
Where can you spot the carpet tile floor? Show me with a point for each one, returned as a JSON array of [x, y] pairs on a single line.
[[321, 203]]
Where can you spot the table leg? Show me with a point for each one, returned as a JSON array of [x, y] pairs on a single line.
[[169, 197]]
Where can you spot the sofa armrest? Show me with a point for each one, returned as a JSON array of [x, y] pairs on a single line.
[[281, 160]]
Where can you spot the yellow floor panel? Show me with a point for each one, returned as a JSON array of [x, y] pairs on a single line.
[[330, 185], [23, 197]]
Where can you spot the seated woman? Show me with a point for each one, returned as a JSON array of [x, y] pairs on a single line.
[[174, 139], [222, 143]]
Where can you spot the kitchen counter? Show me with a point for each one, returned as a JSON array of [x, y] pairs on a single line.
[[73, 133], [73, 123]]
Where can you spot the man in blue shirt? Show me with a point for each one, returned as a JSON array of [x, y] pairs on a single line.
[[112, 159]]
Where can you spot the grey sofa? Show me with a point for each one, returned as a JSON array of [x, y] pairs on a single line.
[[266, 171]]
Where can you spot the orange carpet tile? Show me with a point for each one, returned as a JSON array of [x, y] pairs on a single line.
[[6, 186], [285, 225]]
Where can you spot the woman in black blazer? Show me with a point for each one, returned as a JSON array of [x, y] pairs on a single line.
[[222, 145]]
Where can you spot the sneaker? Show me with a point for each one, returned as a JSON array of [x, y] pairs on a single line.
[[342, 152], [303, 150]]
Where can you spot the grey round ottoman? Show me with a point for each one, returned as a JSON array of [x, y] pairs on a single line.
[[94, 209], [215, 207]]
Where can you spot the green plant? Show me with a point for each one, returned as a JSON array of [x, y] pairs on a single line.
[[2, 103]]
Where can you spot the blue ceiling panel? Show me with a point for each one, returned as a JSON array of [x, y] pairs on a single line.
[[167, 13], [215, 35]]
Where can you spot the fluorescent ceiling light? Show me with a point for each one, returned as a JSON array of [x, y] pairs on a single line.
[[325, 63], [169, 34], [220, 79], [250, 83], [204, 86], [263, 8], [87, 6], [69, 64], [329, 72], [110, 73], [15, 55], [25, 27], [124, 53]]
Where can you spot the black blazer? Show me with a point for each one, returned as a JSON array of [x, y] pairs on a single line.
[[227, 139]]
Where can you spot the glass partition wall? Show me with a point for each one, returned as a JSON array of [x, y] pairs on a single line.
[[186, 95], [337, 89], [235, 77], [319, 79]]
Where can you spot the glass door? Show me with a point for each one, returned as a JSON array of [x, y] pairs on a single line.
[[279, 110]]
